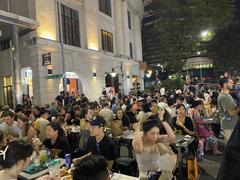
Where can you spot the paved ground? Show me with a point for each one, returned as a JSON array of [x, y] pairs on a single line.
[[210, 165]]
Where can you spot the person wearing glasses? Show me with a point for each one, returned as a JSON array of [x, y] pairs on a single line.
[[14, 159], [99, 142]]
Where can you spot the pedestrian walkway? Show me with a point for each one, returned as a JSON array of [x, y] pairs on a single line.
[[210, 164]]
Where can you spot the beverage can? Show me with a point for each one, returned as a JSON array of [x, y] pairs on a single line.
[[68, 160]]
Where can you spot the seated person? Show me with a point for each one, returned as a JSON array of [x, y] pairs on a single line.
[[3, 141], [93, 167], [184, 126], [202, 128], [99, 143], [14, 159], [9, 126], [56, 141], [123, 118], [116, 127], [27, 132], [41, 124], [147, 148], [182, 123]]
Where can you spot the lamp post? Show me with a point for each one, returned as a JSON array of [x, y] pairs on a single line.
[[113, 74], [62, 47]]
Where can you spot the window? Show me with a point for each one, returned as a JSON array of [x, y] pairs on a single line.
[[131, 50], [129, 20], [107, 41], [105, 7], [8, 90], [5, 44], [70, 26]]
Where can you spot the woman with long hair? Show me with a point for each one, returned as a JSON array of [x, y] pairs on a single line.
[[14, 159], [202, 129], [56, 140], [27, 132], [120, 116]]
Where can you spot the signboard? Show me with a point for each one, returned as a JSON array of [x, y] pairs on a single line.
[[55, 76], [47, 59], [71, 75]]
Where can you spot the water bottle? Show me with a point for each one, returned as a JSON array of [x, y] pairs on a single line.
[[48, 158], [68, 160]]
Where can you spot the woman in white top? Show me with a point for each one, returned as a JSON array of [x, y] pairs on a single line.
[[146, 145]]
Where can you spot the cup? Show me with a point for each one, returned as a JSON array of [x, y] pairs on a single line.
[[43, 156], [36, 161]]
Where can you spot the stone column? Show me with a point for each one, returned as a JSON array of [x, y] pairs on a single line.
[[17, 85]]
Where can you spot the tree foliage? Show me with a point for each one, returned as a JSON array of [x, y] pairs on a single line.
[[224, 48], [179, 23], [173, 83]]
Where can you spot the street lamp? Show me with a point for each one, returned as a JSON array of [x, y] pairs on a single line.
[[204, 33], [114, 74]]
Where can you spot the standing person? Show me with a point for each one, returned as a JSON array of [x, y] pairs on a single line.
[[230, 166], [146, 147], [60, 98], [228, 110], [9, 126], [14, 159]]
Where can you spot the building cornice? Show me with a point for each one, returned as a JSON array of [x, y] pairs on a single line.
[[14, 19]]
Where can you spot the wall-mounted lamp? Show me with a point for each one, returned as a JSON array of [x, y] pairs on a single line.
[[94, 74], [50, 71], [128, 76], [113, 74]]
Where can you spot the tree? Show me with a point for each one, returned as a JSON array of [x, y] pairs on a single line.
[[179, 23], [173, 83], [224, 48]]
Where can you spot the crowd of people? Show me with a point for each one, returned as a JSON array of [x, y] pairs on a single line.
[[155, 118]]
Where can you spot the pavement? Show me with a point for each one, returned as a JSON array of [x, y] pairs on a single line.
[[209, 166]]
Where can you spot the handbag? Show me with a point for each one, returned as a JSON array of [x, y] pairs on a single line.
[[168, 158]]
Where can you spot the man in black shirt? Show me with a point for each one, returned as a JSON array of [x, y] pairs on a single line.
[[99, 143]]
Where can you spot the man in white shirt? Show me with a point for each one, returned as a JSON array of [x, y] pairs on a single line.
[[41, 124], [9, 126], [106, 113]]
